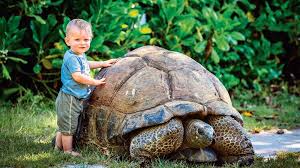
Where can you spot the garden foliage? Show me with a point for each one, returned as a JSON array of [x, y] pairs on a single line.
[[234, 39]]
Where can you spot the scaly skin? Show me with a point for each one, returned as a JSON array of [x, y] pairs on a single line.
[[157, 141], [231, 141], [167, 138]]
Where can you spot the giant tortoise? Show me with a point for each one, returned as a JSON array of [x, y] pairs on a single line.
[[158, 102]]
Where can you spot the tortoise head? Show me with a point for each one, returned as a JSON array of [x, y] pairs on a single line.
[[198, 134]]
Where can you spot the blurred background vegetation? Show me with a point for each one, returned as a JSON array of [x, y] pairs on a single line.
[[246, 43]]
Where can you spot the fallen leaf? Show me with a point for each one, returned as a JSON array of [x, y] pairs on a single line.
[[246, 113], [256, 130]]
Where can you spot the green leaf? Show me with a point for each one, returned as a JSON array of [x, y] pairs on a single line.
[[222, 44], [103, 49], [171, 8], [64, 26], [272, 21], [37, 68], [97, 42], [249, 51], [57, 3], [262, 72], [47, 64], [260, 22], [5, 72], [172, 40], [23, 51], [51, 20], [141, 38], [244, 83], [266, 44], [118, 53], [233, 56], [230, 80], [43, 31], [17, 59], [39, 19], [34, 32], [9, 91], [277, 48], [273, 74], [209, 14], [231, 40], [190, 41], [200, 47], [257, 86], [237, 36], [248, 4], [13, 23], [186, 24], [268, 8], [215, 57], [3, 28], [57, 62]]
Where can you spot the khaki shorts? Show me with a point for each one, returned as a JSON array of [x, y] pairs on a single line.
[[68, 109]]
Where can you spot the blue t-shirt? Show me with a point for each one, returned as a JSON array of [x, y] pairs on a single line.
[[74, 63]]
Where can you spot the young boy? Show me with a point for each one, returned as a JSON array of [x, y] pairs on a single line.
[[76, 79]]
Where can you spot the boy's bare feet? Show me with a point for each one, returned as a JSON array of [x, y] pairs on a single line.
[[73, 153]]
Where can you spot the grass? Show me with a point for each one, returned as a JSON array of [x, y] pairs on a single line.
[[27, 127], [268, 110]]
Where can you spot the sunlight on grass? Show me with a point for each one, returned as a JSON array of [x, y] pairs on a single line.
[[33, 157]]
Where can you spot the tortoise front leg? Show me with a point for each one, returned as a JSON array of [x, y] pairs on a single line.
[[157, 141], [231, 140]]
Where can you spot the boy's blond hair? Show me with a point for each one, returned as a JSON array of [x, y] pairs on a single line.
[[81, 24]]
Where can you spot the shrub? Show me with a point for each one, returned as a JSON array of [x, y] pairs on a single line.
[[233, 39]]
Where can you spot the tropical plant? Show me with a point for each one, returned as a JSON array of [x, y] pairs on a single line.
[[11, 48], [237, 40], [47, 59], [12, 53], [117, 27]]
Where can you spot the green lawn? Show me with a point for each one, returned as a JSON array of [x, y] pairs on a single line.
[[276, 110], [26, 129]]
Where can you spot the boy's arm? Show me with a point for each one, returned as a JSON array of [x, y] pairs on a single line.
[[101, 64], [83, 79]]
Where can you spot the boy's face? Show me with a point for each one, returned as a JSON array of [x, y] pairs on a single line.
[[78, 40]]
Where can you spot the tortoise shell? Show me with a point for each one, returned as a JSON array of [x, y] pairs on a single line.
[[151, 85]]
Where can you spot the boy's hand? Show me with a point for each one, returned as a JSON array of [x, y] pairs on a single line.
[[100, 81], [109, 63]]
